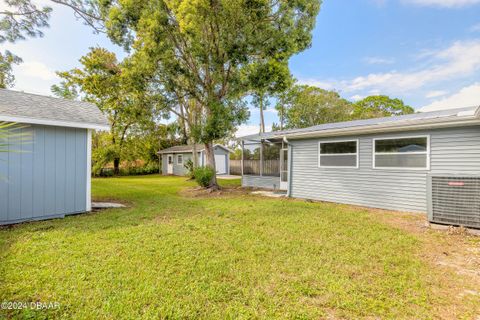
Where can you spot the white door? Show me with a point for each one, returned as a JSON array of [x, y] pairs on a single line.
[[170, 164], [283, 169], [220, 163]]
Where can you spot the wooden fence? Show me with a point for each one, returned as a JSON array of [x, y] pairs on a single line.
[[270, 167], [236, 167]]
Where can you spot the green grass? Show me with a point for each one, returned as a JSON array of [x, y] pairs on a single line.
[[232, 256]]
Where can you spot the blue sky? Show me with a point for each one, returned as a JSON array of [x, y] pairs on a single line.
[[426, 52]]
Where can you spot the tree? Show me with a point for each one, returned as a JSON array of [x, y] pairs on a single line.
[[204, 51], [268, 77], [379, 106], [22, 19], [65, 91], [109, 84], [7, 59], [305, 106]]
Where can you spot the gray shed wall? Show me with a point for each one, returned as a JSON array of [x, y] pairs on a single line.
[[46, 177], [452, 151], [180, 170]]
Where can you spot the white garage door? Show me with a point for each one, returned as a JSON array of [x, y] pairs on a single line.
[[220, 164]]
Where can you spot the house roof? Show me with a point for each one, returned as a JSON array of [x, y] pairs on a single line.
[[30, 108], [416, 121], [189, 148]]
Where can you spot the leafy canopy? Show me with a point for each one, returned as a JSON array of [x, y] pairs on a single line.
[[380, 106], [209, 50], [305, 106], [105, 81], [7, 59]]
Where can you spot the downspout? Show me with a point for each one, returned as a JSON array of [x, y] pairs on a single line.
[[289, 167], [241, 161]]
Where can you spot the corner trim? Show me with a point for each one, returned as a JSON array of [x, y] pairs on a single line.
[[89, 171]]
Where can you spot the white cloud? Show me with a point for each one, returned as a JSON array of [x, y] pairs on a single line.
[[327, 85], [460, 60], [248, 129], [35, 69], [466, 97], [378, 60], [356, 97], [435, 94], [475, 28], [443, 3], [270, 110]]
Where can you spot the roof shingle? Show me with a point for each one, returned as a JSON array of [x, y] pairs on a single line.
[[33, 108]]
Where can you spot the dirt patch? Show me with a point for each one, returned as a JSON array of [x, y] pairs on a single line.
[[454, 255], [199, 192]]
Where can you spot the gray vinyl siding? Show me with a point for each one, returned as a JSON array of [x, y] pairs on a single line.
[[46, 176], [451, 151], [261, 182], [225, 153], [178, 169]]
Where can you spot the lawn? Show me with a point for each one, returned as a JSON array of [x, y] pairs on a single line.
[[176, 254]]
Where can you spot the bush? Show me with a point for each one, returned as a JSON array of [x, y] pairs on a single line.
[[203, 175], [190, 170], [128, 171], [137, 171]]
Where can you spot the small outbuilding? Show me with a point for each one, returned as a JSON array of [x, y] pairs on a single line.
[[45, 168], [173, 159]]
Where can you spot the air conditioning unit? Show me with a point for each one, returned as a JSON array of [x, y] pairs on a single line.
[[454, 200]]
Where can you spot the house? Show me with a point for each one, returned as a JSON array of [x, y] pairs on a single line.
[[423, 162], [47, 175], [173, 159]]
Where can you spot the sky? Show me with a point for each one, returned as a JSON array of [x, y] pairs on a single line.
[[425, 52]]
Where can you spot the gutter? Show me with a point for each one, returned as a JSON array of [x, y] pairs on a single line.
[[56, 123], [405, 126]]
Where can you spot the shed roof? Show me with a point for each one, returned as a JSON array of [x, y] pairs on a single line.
[[421, 120], [30, 108], [189, 148]]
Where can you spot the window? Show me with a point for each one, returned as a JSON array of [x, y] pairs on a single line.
[[402, 153], [251, 159], [342, 154], [170, 160], [179, 159]]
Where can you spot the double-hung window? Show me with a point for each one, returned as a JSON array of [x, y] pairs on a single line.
[[179, 159], [402, 153], [338, 154]]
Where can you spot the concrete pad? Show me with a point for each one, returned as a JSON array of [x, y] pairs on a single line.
[[271, 194], [228, 177], [106, 205]]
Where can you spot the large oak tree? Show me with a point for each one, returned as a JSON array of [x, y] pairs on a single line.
[[204, 50]]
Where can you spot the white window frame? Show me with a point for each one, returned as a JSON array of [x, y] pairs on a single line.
[[337, 154], [178, 157], [374, 153]]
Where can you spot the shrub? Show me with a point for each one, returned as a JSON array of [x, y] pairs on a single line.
[[190, 170], [151, 168], [203, 175]]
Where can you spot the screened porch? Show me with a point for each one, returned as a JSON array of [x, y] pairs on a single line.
[[266, 159]]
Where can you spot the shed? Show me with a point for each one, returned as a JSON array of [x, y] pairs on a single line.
[[174, 159], [47, 175]]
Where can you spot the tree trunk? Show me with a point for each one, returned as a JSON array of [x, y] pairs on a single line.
[[116, 166], [210, 158], [262, 118], [281, 118], [194, 155]]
